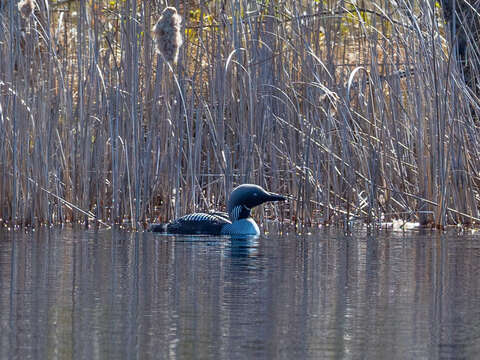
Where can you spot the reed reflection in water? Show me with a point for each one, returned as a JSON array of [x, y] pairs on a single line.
[[109, 294]]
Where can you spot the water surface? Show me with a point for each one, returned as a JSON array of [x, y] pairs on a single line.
[[75, 294]]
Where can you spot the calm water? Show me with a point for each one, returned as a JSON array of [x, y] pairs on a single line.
[[115, 295]]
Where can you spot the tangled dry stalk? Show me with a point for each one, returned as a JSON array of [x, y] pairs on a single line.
[[356, 112]]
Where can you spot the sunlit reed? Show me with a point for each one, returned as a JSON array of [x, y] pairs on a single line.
[[358, 114], [26, 8], [167, 34]]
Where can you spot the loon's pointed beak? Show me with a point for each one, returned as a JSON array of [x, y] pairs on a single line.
[[275, 197]]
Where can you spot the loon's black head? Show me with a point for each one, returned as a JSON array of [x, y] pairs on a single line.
[[247, 196]]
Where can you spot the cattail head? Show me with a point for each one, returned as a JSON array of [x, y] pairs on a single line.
[[26, 8], [167, 34]]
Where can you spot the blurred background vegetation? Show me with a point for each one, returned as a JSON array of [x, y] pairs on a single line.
[[357, 110]]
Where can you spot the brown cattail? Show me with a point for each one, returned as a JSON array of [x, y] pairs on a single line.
[[26, 8], [167, 34]]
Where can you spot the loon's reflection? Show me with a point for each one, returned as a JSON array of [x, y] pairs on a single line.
[[244, 246]]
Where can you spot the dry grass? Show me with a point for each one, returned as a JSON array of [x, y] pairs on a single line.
[[357, 113]]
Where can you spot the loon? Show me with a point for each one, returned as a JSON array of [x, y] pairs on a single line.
[[237, 221]]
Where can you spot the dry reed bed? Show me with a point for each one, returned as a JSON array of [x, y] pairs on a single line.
[[304, 99]]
